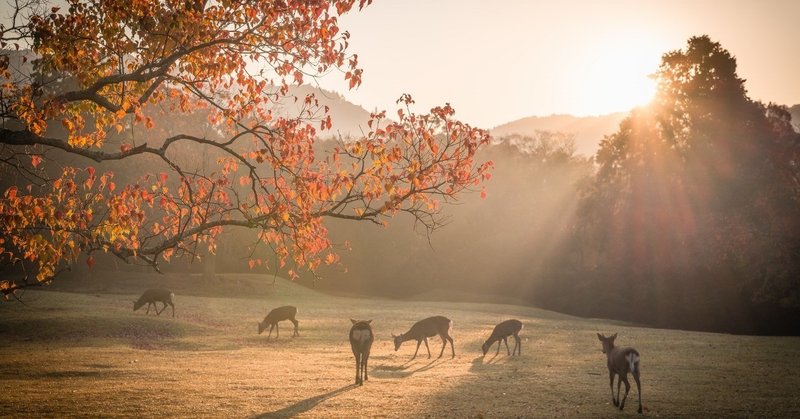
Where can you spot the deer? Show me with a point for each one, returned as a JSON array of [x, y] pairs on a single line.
[[278, 315], [154, 295], [361, 338], [501, 332], [621, 361], [423, 329]]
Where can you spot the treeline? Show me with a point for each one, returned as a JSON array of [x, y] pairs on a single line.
[[687, 217]]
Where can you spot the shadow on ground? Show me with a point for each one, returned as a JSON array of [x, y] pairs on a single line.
[[388, 371], [304, 405]]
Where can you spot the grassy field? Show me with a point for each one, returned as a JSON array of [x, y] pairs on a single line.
[[79, 350]]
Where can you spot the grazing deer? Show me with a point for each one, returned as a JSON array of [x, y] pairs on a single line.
[[152, 296], [361, 338], [423, 329], [278, 315], [501, 332], [621, 361]]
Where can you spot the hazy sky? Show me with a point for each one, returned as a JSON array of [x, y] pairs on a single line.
[[496, 61]]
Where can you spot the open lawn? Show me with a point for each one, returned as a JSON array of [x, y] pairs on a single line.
[[80, 350]]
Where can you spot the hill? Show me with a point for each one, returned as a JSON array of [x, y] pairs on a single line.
[[68, 353], [348, 119], [588, 130]]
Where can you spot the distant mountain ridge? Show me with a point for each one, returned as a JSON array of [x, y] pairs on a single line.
[[347, 119], [588, 130]]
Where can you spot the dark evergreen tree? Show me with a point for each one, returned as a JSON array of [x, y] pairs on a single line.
[[692, 218]]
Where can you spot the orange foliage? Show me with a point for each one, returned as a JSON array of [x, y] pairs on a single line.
[[124, 64]]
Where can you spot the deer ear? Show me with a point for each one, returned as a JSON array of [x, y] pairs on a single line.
[[599, 336], [353, 321], [613, 337], [368, 322]]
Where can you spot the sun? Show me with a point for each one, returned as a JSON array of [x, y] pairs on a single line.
[[616, 80]]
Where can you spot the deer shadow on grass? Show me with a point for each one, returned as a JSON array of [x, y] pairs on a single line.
[[402, 371], [484, 363], [304, 405]]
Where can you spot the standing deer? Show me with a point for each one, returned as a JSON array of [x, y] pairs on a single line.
[[620, 362], [423, 329], [278, 315], [501, 332], [361, 337], [152, 296]]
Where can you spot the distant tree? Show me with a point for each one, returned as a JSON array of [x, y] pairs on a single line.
[[500, 247], [106, 74], [695, 201]]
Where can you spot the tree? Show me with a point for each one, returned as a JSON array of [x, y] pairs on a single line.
[[695, 202], [97, 166]]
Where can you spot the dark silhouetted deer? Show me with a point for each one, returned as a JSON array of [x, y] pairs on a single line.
[[278, 315], [152, 296], [423, 329], [361, 338], [621, 361], [501, 332]]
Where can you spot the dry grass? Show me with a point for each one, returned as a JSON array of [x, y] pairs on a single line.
[[88, 354]]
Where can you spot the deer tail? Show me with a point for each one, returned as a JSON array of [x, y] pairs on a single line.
[[633, 361]]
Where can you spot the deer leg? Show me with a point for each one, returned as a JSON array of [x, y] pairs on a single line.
[[358, 368], [498, 349], [452, 348], [361, 364], [270, 331], [173, 308], [624, 378], [364, 358], [611, 384], [505, 339], [296, 333], [148, 309], [428, 348], [518, 344], [419, 342], [158, 312], [444, 345], [638, 387]]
